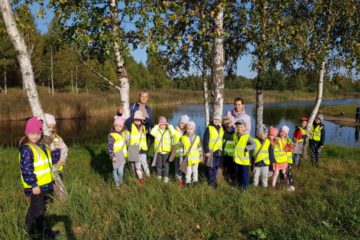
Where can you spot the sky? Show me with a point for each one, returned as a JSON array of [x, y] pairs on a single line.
[[140, 55]]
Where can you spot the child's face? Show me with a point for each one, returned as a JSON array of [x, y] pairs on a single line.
[[182, 126], [283, 134], [272, 137], [240, 128], [263, 135], [228, 126], [52, 128], [162, 126], [137, 121], [190, 129], [317, 121], [303, 124], [33, 137], [118, 127], [216, 122]]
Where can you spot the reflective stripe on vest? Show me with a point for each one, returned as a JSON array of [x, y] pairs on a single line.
[[240, 156], [119, 142], [229, 148], [165, 146], [194, 154], [42, 166], [289, 154], [263, 155], [135, 137], [279, 153], [215, 141], [57, 139], [316, 134]]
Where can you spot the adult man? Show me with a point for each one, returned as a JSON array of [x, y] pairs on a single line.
[[142, 106], [239, 113]]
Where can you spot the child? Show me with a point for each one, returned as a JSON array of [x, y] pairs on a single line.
[[117, 149], [281, 157], [316, 139], [213, 140], [192, 151], [137, 129], [228, 143], [300, 140], [163, 133], [262, 155], [36, 163], [179, 132], [243, 144], [288, 148], [58, 141]]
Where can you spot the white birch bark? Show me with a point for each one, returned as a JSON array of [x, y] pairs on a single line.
[[120, 68], [24, 61], [217, 68], [318, 97], [52, 70]]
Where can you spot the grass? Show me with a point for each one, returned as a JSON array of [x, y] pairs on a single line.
[[335, 110], [325, 204], [14, 105]]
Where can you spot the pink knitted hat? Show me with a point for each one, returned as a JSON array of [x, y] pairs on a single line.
[[33, 125], [162, 120], [119, 120]]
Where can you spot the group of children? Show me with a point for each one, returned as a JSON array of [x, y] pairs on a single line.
[[226, 142]]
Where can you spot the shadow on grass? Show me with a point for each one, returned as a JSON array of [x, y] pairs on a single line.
[[69, 233], [100, 163]]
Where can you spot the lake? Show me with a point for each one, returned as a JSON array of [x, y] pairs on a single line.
[[94, 130]]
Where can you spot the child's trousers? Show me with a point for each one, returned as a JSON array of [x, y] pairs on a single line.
[[142, 164], [178, 174], [242, 175], [192, 170], [118, 174], [314, 152], [162, 165], [264, 173], [212, 171]]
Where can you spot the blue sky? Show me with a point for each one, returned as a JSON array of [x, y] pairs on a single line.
[[243, 65]]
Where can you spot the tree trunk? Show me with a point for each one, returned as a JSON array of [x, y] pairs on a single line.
[[76, 79], [206, 100], [259, 109], [5, 80], [24, 61], [318, 97], [72, 80], [217, 68], [120, 68], [52, 70]]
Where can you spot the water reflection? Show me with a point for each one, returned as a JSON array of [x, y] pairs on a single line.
[[94, 130]]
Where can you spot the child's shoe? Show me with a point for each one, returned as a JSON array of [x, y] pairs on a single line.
[[141, 180], [181, 183], [158, 177], [166, 179]]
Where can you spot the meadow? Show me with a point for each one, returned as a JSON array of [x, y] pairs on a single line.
[[325, 205]]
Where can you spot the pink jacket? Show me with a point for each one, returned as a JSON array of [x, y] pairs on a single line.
[[236, 116]]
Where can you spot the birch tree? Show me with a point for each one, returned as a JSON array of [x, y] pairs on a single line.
[[24, 61]]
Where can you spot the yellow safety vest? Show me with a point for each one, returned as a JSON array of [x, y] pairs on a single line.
[[215, 141], [303, 132], [315, 134], [119, 142], [135, 137], [165, 145], [263, 155], [57, 138], [229, 147], [42, 166], [240, 156], [194, 154], [177, 143], [289, 154], [279, 153]]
